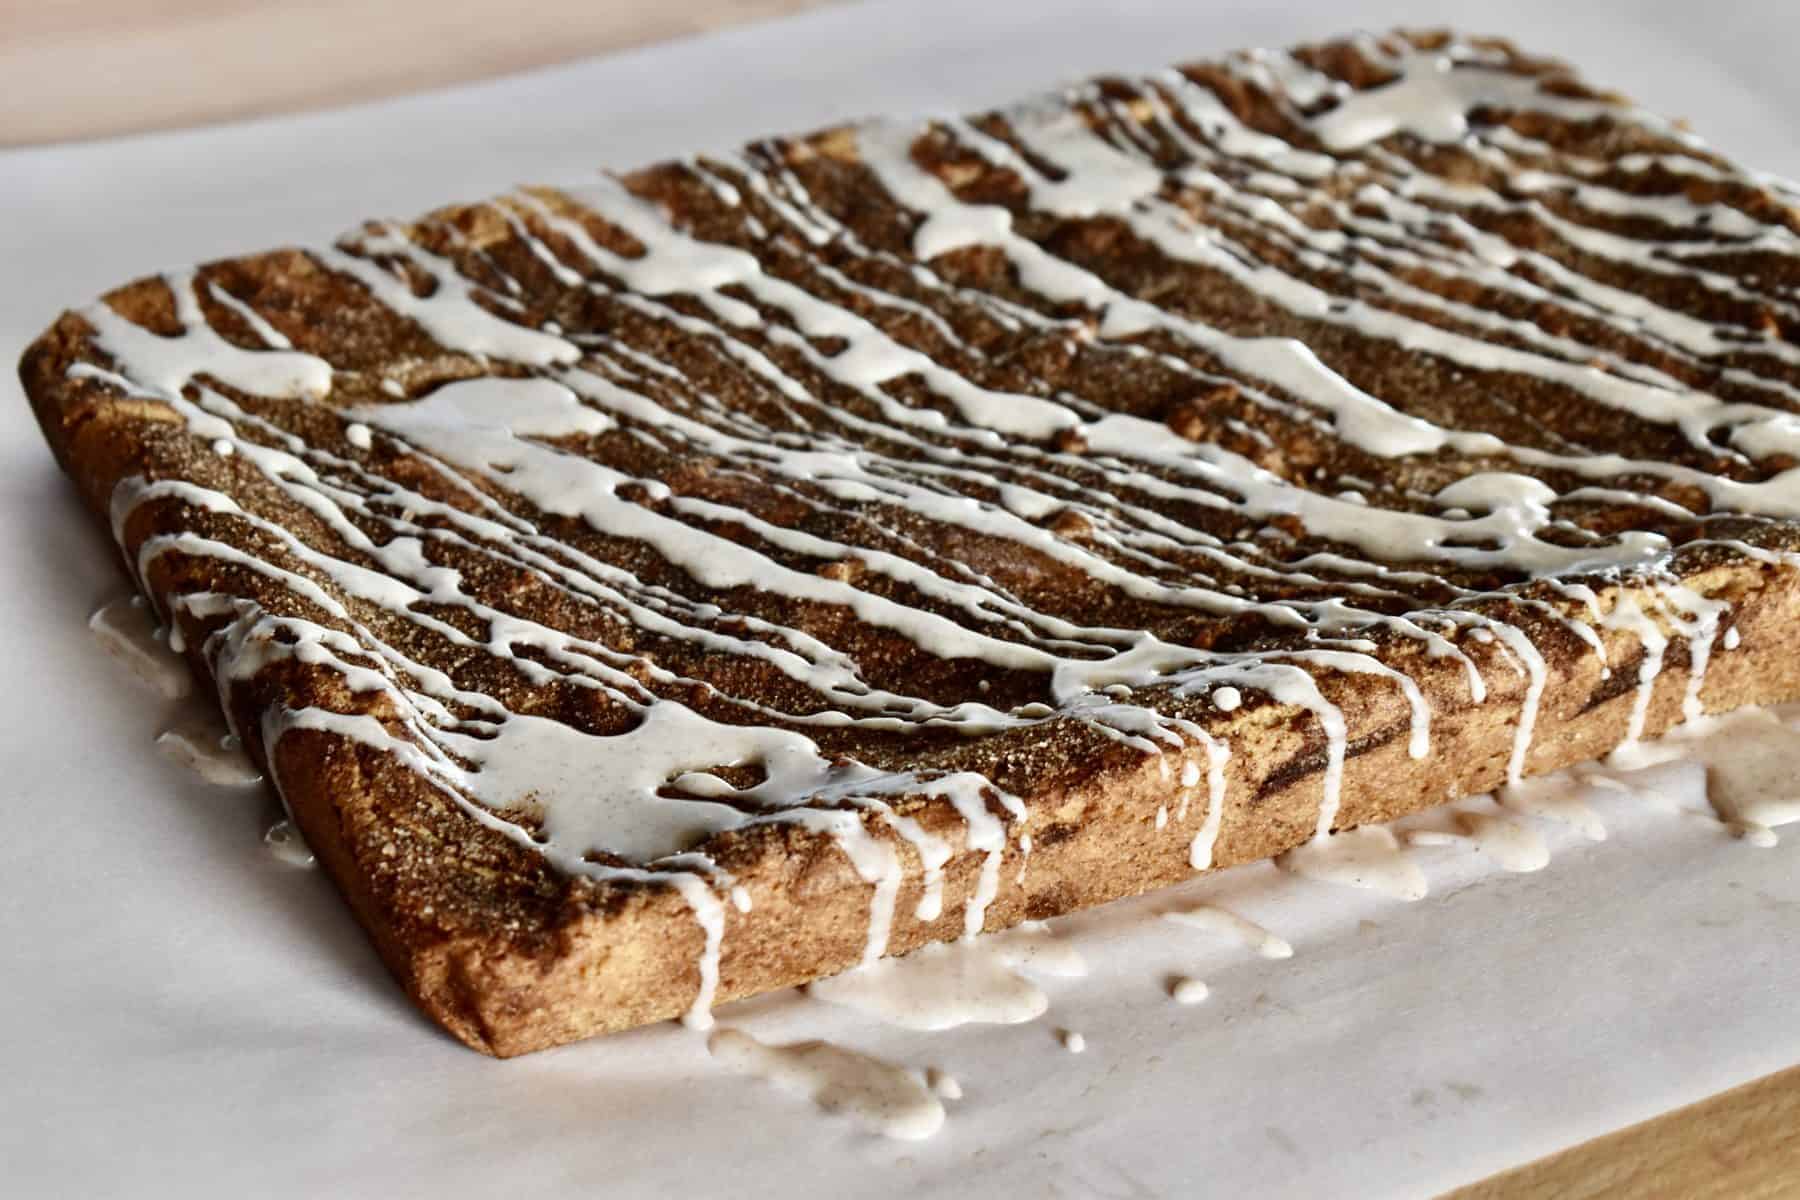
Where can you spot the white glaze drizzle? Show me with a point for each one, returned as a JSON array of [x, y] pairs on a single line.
[[879, 1096], [1200, 850], [944, 1084], [1368, 857], [127, 630], [1557, 796], [1749, 779], [1513, 845], [1432, 95], [975, 980], [1187, 990], [511, 433], [1253, 936], [285, 843], [199, 742]]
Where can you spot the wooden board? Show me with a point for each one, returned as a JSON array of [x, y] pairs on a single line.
[[1743, 1144], [191, 62]]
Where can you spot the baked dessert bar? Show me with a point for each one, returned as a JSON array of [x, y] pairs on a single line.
[[653, 592]]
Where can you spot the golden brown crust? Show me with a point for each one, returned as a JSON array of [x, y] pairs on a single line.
[[510, 955], [1098, 841]]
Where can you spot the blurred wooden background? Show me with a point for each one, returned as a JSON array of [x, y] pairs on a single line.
[[93, 68], [73, 69]]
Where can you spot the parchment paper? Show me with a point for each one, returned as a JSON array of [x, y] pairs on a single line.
[[180, 1013]]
